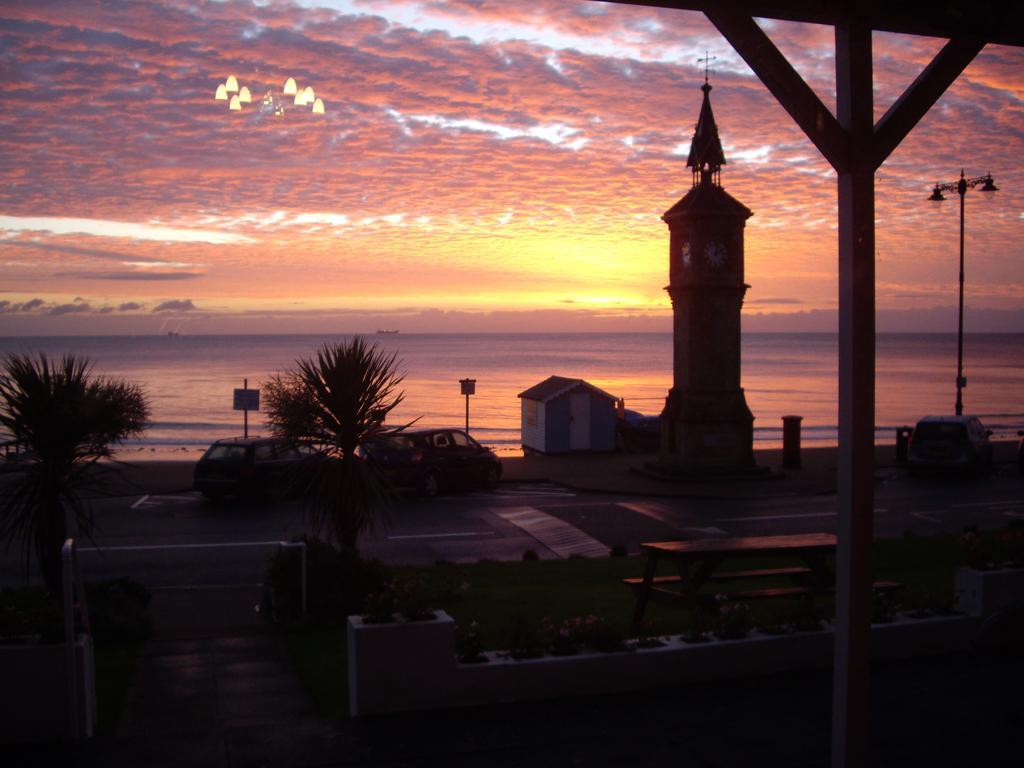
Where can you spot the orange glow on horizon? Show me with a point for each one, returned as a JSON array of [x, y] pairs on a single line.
[[488, 161]]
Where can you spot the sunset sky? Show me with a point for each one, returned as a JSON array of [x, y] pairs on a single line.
[[480, 166]]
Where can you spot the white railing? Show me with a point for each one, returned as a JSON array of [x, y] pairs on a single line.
[[74, 597], [300, 545]]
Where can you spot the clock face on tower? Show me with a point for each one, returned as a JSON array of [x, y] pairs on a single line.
[[715, 253], [686, 253]]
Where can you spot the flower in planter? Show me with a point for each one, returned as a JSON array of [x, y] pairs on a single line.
[[977, 552], [598, 635], [772, 623], [380, 605], [646, 637], [1012, 543], [734, 619], [525, 641], [806, 616], [469, 648], [412, 599], [883, 607], [560, 640]]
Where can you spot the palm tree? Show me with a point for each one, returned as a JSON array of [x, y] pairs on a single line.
[[67, 419], [335, 402]]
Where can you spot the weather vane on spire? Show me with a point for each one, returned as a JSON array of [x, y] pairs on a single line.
[[706, 60]]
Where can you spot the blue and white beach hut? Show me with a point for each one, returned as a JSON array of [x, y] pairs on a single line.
[[561, 415]]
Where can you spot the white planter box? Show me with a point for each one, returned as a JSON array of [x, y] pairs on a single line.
[[401, 665], [411, 665], [35, 701], [982, 593]]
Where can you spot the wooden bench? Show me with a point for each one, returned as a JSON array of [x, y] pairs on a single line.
[[760, 573], [660, 594]]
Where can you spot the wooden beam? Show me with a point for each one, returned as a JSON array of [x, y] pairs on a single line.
[[855, 523], [915, 102], [795, 96]]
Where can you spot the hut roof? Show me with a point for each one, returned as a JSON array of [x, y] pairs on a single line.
[[555, 386]]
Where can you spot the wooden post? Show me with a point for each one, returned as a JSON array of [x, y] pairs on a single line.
[[855, 523]]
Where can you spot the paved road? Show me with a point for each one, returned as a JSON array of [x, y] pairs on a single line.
[[183, 541]]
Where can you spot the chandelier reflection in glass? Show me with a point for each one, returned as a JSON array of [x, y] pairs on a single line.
[[288, 99]]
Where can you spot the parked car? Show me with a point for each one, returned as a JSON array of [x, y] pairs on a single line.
[[950, 443], [637, 433], [429, 461], [248, 466]]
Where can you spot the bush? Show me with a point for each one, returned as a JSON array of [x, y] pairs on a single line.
[[119, 611], [338, 582], [30, 611]]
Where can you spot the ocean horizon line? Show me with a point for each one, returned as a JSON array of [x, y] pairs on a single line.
[[322, 334]]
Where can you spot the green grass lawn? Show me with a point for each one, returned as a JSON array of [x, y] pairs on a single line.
[[498, 595]]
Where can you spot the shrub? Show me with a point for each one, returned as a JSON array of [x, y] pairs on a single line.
[[338, 582], [530, 554], [119, 611], [30, 611]]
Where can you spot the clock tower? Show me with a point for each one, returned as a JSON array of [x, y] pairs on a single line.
[[706, 425]]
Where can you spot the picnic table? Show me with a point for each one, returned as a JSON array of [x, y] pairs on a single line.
[[698, 562]]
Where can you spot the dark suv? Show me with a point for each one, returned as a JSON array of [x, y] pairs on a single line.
[[432, 460], [247, 466], [950, 443]]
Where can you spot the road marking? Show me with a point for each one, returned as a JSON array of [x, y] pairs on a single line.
[[709, 531], [658, 512], [927, 516], [155, 547], [440, 535], [992, 504], [795, 516], [555, 534], [197, 587], [757, 518], [155, 501]]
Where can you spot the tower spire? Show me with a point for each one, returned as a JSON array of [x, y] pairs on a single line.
[[706, 156]]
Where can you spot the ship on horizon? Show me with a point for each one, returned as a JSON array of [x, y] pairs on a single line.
[[387, 330]]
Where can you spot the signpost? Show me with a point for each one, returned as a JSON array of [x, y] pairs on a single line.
[[468, 388], [247, 400]]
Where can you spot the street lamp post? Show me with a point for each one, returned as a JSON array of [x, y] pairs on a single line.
[[468, 388], [960, 187]]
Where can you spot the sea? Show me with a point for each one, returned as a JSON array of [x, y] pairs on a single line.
[[190, 380]]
